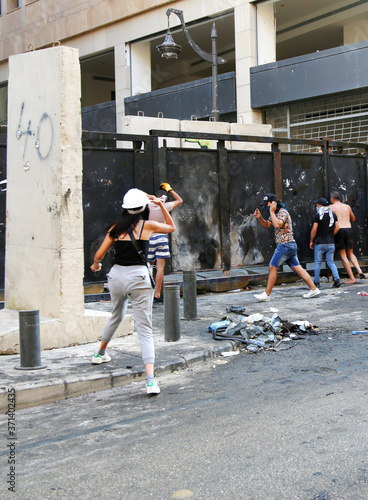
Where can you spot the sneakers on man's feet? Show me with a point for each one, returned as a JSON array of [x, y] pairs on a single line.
[[262, 297], [337, 284], [152, 387], [97, 359], [312, 293]]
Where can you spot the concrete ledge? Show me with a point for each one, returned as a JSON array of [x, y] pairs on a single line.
[[83, 385], [171, 366], [35, 393], [59, 332]]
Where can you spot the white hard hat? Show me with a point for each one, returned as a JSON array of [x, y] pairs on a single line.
[[135, 201]]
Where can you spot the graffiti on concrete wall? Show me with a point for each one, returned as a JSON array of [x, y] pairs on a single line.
[[42, 131]]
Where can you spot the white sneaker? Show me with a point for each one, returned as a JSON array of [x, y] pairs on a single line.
[[97, 359], [152, 387], [312, 293], [263, 297]]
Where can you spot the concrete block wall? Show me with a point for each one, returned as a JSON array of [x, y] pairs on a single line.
[[143, 125], [44, 264]]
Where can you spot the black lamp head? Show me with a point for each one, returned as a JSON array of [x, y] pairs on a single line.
[[168, 48]]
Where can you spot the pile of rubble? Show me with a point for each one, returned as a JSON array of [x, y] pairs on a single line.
[[258, 331]]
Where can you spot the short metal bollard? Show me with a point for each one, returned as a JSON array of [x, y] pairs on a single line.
[[29, 341], [190, 294], [172, 313]]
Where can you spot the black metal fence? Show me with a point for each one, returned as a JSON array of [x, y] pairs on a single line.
[[220, 188]]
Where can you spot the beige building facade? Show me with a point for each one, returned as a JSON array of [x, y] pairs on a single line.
[[115, 39], [117, 43]]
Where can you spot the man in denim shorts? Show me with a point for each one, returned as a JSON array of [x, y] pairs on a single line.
[[286, 249]]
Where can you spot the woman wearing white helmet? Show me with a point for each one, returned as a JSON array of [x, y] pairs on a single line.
[[129, 276]]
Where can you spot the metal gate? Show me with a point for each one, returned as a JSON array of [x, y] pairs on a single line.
[[221, 189]]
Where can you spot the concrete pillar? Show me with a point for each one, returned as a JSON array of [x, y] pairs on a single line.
[[44, 265], [141, 67], [122, 80], [266, 33], [44, 227], [245, 57]]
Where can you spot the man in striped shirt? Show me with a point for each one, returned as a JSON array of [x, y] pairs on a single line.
[[159, 243]]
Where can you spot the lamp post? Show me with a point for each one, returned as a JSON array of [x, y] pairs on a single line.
[[170, 50]]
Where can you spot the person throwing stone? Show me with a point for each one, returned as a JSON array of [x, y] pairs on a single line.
[[159, 249], [286, 249]]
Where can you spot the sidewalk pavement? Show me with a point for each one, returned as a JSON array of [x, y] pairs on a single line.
[[68, 372]]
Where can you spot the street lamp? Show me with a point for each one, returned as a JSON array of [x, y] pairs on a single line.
[[170, 50]]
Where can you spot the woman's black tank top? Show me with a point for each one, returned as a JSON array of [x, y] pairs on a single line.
[[126, 254]]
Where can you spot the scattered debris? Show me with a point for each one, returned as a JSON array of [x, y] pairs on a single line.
[[356, 332], [362, 293], [258, 331], [236, 309], [228, 354]]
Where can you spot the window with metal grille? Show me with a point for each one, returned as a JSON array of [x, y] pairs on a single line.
[[342, 118]]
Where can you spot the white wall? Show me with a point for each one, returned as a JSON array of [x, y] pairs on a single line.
[[356, 32], [266, 33], [140, 67]]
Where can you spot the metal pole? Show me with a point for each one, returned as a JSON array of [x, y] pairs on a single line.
[[326, 161], [190, 294], [29, 340], [172, 313], [215, 112]]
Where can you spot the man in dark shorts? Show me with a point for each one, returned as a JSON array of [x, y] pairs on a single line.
[[343, 238], [324, 227]]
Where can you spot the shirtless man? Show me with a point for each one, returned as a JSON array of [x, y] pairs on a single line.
[[344, 237]]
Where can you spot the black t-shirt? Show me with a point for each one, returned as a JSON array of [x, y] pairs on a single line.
[[325, 232]]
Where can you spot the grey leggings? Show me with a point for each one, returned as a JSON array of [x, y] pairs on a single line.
[[132, 282]]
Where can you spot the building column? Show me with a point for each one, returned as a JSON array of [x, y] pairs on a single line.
[[132, 74], [122, 81], [254, 44], [44, 265]]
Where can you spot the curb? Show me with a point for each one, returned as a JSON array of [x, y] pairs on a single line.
[[29, 394]]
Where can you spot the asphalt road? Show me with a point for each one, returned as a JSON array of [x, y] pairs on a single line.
[[285, 425]]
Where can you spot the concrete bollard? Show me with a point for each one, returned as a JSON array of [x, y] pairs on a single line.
[[190, 294], [29, 340], [172, 313]]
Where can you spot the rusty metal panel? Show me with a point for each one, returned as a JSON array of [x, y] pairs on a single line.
[[250, 177], [196, 242], [302, 177], [348, 175], [107, 176]]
